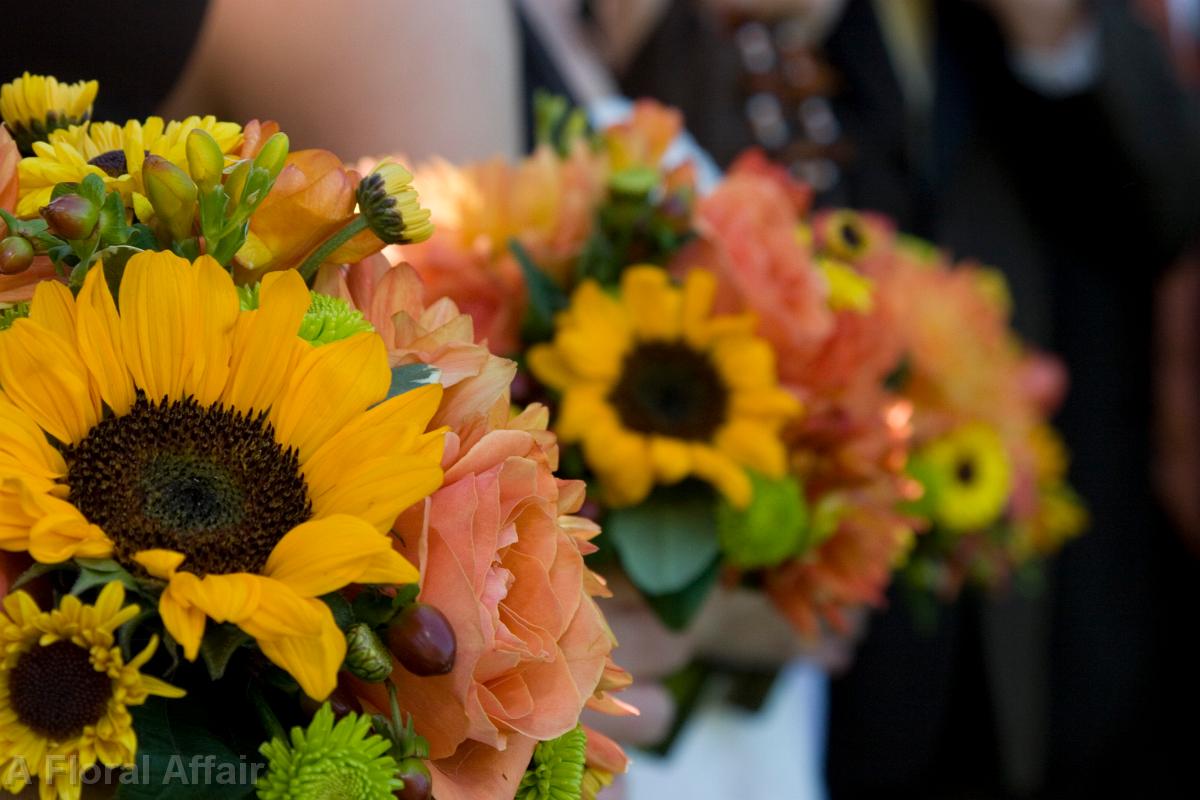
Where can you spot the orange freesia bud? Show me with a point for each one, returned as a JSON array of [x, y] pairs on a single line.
[[312, 198]]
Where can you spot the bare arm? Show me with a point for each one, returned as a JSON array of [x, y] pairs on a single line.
[[363, 77]]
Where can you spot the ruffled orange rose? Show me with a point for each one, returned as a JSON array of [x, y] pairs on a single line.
[[500, 555], [748, 237]]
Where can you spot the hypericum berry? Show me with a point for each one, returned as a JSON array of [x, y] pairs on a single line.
[[422, 640], [71, 216], [16, 254], [418, 785]]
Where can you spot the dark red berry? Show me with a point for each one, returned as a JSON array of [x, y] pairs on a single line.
[[71, 216], [418, 785], [422, 640]]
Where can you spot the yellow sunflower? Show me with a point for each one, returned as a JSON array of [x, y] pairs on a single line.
[[973, 477], [34, 105], [65, 690], [211, 448], [112, 152], [656, 388]]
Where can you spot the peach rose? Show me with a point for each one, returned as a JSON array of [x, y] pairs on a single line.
[[500, 555], [748, 237]]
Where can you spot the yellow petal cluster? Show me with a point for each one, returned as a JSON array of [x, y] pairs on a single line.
[[601, 336]]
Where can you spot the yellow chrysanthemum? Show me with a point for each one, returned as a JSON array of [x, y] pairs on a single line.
[[112, 152], [212, 448], [34, 105], [974, 477], [657, 389], [65, 690]]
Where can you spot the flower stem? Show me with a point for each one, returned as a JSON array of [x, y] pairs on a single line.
[[266, 716], [308, 270]]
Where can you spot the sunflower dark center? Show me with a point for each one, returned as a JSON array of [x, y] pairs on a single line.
[[672, 390], [965, 471], [851, 235], [56, 692], [112, 162], [208, 482]]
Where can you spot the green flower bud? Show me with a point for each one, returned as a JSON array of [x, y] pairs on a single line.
[[328, 319], [206, 162], [273, 155], [235, 183], [771, 529], [16, 254], [366, 655], [172, 193], [71, 216]]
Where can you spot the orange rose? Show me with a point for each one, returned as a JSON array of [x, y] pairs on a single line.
[[500, 555], [748, 238]]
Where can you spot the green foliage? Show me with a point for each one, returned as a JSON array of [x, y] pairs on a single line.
[[407, 377], [667, 541]]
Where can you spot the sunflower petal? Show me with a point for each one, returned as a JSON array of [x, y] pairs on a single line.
[[266, 343], [313, 661], [43, 375], [156, 323], [216, 307], [53, 308], [100, 344], [653, 303], [325, 555], [308, 413]]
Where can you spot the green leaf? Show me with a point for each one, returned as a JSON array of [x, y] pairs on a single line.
[[407, 377], [92, 187], [668, 540], [35, 571], [343, 612], [98, 572], [545, 297], [175, 743], [219, 644], [676, 609]]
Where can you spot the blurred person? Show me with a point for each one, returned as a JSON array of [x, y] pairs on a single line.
[[1050, 138], [360, 77]]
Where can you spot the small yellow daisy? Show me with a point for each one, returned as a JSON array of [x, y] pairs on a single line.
[[65, 691]]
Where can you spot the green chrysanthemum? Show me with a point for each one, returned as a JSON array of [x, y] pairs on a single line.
[[330, 762], [772, 528], [329, 319], [11, 314], [557, 769]]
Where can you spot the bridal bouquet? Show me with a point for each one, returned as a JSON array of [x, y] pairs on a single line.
[[681, 341], [992, 470], [268, 521], [724, 366]]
